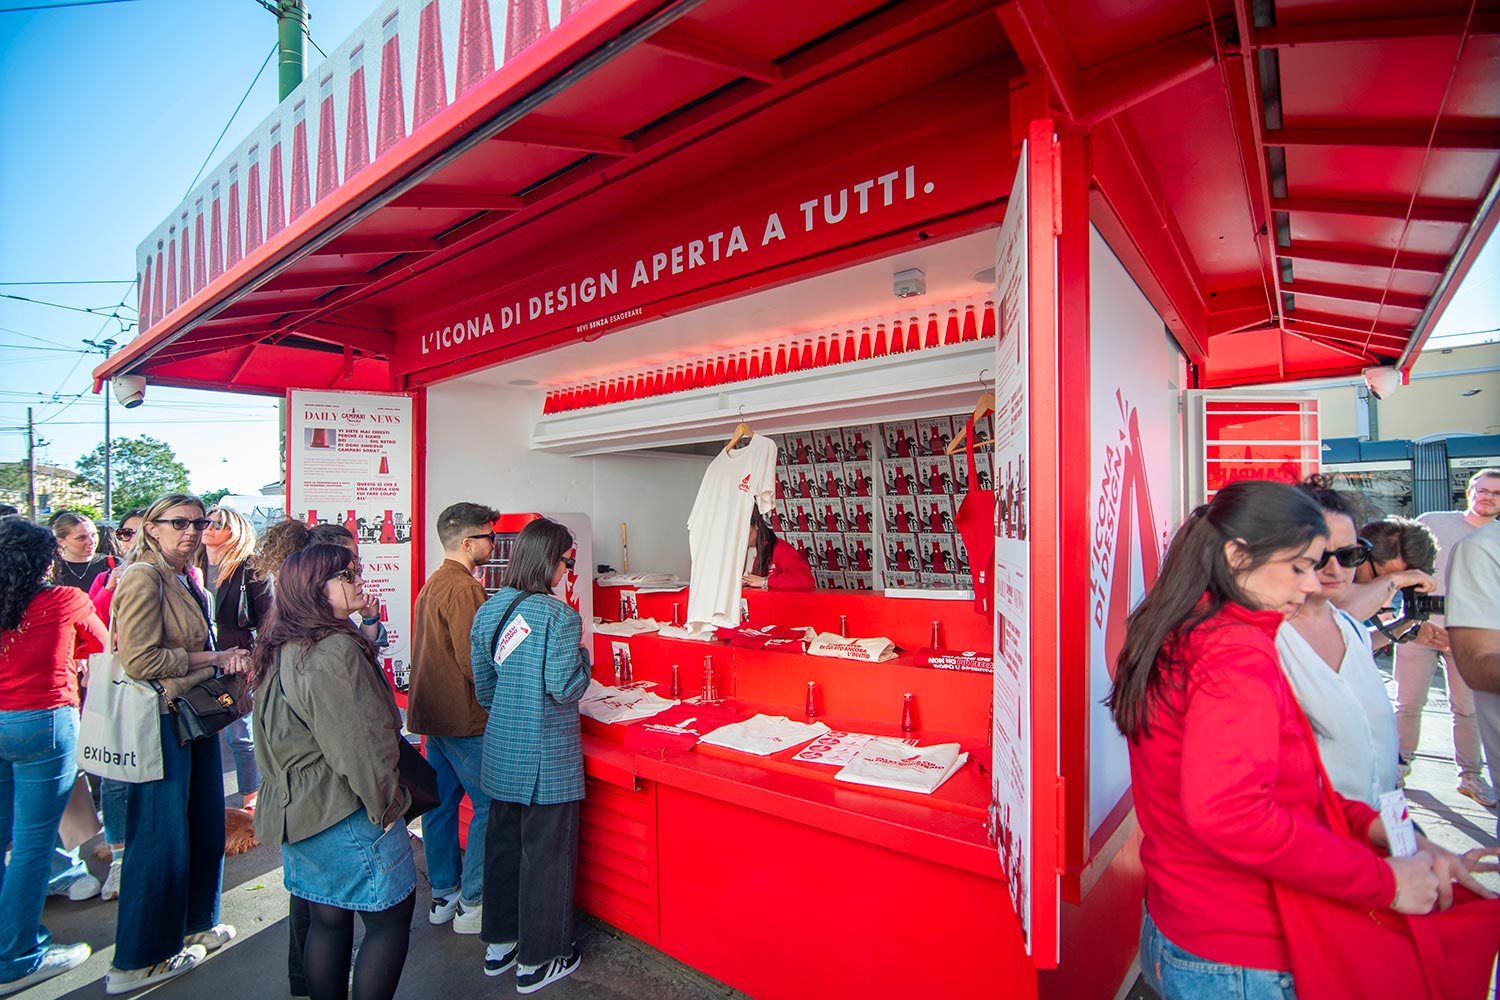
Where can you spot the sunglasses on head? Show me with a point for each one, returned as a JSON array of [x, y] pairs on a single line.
[[183, 523], [1349, 556]]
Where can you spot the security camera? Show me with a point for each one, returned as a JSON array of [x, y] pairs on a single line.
[[130, 390]]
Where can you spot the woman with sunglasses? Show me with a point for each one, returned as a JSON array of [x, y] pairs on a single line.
[[1224, 776], [174, 827], [241, 602], [530, 669], [326, 732], [1327, 657]]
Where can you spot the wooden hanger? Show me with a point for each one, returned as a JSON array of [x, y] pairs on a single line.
[[985, 405], [740, 433]]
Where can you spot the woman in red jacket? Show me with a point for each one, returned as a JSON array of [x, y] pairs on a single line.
[[1225, 776], [777, 566], [43, 629]]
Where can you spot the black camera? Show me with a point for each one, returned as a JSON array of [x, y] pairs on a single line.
[[1420, 606]]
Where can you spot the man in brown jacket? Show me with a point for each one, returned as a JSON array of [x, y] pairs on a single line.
[[441, 705]]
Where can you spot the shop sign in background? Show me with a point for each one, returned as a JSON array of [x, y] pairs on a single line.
[[1012, 735], [350, 462]]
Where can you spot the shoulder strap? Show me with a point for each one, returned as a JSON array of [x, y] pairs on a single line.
[[505, 618], [969, 452]]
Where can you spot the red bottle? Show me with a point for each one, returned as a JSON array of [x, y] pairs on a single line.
[[836, 352], [765, 361], [849, 348], [675, 690], [864, 343], [951, 334], [780, 359], [914, 335], [908, 713], [807, 353], [932, 331], [971, 327], [880, 341], [898, 341], [821, 358], [812, 699], [987, 327], [793, 359]]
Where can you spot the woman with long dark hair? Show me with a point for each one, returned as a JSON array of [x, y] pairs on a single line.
[[530, 669], [173, 865], [241, 602], [777, 566], [1225, 775], [43, 629], [326, 731]]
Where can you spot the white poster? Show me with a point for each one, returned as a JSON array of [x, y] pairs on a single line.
[[1135, 461], [1011, 782], [350, 462]]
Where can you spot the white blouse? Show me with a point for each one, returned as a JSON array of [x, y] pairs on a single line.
[[1350, 710]]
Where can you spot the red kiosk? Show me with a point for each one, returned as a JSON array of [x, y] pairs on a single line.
[[582, 248]]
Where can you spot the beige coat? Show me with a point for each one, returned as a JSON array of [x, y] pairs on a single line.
[[326, 727], [156, 622]]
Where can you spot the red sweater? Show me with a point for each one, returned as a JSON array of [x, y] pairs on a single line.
[[788, 570], [1226, 789], [36, 660]]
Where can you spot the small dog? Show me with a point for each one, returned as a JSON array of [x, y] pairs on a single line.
[[239, 832]]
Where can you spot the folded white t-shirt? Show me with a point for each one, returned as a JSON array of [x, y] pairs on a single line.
[[764, 734], [628, 627], [677, 632], [609, 704], [890, 763], [874, 650]]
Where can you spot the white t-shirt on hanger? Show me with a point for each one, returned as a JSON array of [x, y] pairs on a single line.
[[719, 530]]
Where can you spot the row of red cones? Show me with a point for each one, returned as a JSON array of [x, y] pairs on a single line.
[[789, 356]]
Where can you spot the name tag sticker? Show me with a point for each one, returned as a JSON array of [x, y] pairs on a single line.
[[515, 633]]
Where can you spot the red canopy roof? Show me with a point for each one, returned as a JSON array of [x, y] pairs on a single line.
[[1298, 192]]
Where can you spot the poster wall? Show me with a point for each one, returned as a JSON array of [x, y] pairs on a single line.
[[1136, 496], [1010, 792], [350, 457]]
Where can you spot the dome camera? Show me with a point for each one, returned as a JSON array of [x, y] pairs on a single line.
[[1383, 380], [130, 390]]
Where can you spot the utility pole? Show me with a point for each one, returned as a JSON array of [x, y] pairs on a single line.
[[30, 466], [105, 347]]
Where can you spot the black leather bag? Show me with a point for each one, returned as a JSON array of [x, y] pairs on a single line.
[[204, 709], [418, 777]]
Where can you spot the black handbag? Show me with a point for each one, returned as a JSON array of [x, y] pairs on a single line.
[[419, 779], [204, 709], [245, 613]]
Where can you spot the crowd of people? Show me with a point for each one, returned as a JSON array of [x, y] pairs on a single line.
[[185, 595], [1261, 735]]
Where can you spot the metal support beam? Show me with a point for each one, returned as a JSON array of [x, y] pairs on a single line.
[[321, 279], [1117, 84], [1307, 317], [558, 138], [1372, 30], [1354, 256], [353, 245], [478, 201], [701, 50], [1355, 293], [1452, 139], [252, 309], [1039, 43], [1457, 215]]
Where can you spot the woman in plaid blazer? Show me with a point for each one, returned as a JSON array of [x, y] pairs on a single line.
[[530, 669]]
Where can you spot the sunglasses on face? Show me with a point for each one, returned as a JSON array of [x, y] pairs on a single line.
[[349, 574], [1348, 557], [569, 561], [183, 523], [125, 534], [488, 536]]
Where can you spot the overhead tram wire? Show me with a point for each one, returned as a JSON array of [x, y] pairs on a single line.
[[92, 310], [60, 6], [225, 130], [35, 284]]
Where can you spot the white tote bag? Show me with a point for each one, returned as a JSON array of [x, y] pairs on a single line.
[[120, 734]]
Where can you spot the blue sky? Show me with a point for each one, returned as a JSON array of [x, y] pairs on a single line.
[[110, 109]]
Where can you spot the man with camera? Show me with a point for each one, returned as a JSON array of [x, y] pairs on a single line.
[[1416, 662]]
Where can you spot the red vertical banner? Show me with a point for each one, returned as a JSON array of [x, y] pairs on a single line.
[[185, 275], [215, 232], [275, 200], [432, 88], [476, 46], [253, 218], [328, 140], [200, 252], [301, 182], [525, 22], [171, 273], [158, 297], [391, 126], [357, 131], [144, 309], [232, 223]]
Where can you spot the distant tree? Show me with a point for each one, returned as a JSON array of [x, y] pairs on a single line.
[[142, 470], [214, 496]]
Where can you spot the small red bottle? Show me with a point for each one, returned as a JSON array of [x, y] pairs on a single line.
[[675, 690], [909, 713], [937, 635], [987, 325], [812, 699]]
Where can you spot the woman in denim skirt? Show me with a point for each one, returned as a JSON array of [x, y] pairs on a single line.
[[326, 732]]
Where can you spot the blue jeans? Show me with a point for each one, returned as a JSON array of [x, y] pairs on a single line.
[[242, 748], [113, 796], [36, 778], [1177, 974], [456, 759], [174, 853]]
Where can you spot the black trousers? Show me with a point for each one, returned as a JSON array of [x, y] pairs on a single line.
[[530, 866]]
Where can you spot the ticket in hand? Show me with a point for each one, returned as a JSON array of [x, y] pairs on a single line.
[[1399, 831]]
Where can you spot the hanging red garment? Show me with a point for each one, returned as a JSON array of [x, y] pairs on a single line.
[[975, 521]]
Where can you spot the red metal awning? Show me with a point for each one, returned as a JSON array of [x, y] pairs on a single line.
[[1297, 197]]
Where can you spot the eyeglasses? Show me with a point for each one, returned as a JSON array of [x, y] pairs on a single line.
[[350, 574], [569, 561], [218, 525], [1348, 557], [183, 523], [125, 534], [1485, 493], [488, 536]]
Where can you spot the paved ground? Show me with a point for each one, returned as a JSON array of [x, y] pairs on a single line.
[[615, 966]]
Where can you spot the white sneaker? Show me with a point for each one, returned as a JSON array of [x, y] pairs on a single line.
[[212, 939], [468, 918], [128, 980], [111, 888], [56, 960], [1403, 771], [1474, 787], [443, 908], [498, 958], [81, 888], [551, 972]]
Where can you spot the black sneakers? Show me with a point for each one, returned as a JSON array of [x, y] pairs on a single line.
[[551, 972], [499, 958]]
